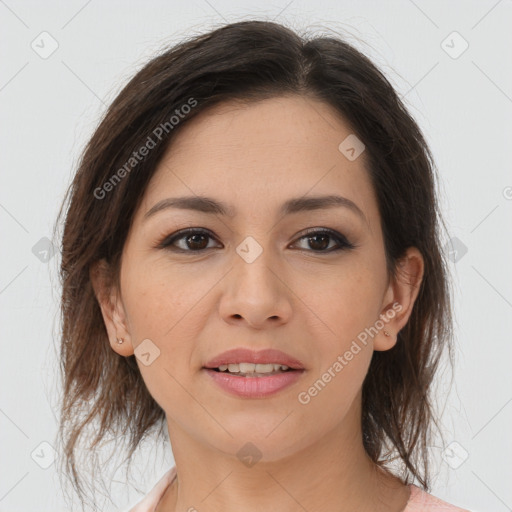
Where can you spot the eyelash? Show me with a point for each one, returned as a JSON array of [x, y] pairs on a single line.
[[343, 243]]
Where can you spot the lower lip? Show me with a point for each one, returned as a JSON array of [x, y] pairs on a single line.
[[254, 387]]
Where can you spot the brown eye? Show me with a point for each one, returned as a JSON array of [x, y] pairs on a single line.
[[320, 241], [190, 240], [197, 240]]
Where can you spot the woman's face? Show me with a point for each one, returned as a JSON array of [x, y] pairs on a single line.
[[252, 279]]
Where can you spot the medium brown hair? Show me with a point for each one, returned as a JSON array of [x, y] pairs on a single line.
[[249, 61]]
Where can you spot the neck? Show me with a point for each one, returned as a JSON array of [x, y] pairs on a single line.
[[333, 473]]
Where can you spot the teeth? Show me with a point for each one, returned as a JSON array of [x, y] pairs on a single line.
[[252, 368]]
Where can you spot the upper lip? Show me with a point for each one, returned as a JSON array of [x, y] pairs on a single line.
[[245, 355]]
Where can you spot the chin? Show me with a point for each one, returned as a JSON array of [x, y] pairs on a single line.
[[268, 445]]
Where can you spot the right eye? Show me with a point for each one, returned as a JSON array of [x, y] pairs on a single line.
[[191, 240]]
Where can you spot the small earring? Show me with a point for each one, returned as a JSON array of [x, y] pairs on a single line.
[[386, 333], [120, 340]]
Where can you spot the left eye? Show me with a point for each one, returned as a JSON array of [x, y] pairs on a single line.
[[319, 239], [196, 240]]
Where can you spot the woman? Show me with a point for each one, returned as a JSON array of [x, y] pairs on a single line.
[[251, 258]]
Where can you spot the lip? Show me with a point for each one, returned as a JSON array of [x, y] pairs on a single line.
[[254, 387], [244, 355]]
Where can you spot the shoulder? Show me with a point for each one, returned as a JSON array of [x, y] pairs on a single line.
[[151, 499], [421, 501]]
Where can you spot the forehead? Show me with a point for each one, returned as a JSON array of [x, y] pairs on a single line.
[[255, 156]]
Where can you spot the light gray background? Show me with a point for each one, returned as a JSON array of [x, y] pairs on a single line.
[[50, 106]]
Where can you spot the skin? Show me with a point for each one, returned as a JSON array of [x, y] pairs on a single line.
[[294, 297]]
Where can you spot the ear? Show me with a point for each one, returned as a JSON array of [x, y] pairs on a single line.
[[112, 308], [399, 298]]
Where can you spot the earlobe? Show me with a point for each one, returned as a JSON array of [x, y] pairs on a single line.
[[400, 298], [111, 307]]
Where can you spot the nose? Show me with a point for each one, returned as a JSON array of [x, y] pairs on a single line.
[[256, 293]]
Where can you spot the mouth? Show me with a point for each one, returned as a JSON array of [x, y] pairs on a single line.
[[246, 373], [265, 382], [247, 361], [252, 370]]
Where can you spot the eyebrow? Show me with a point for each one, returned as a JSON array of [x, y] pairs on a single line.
[[295, 205]]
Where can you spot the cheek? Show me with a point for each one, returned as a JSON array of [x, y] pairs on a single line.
[[347, 299], [332, 388], [167, 306], [160, 308], [159, 298]]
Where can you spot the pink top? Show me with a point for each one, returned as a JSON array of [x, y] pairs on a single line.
[[419, 501]]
